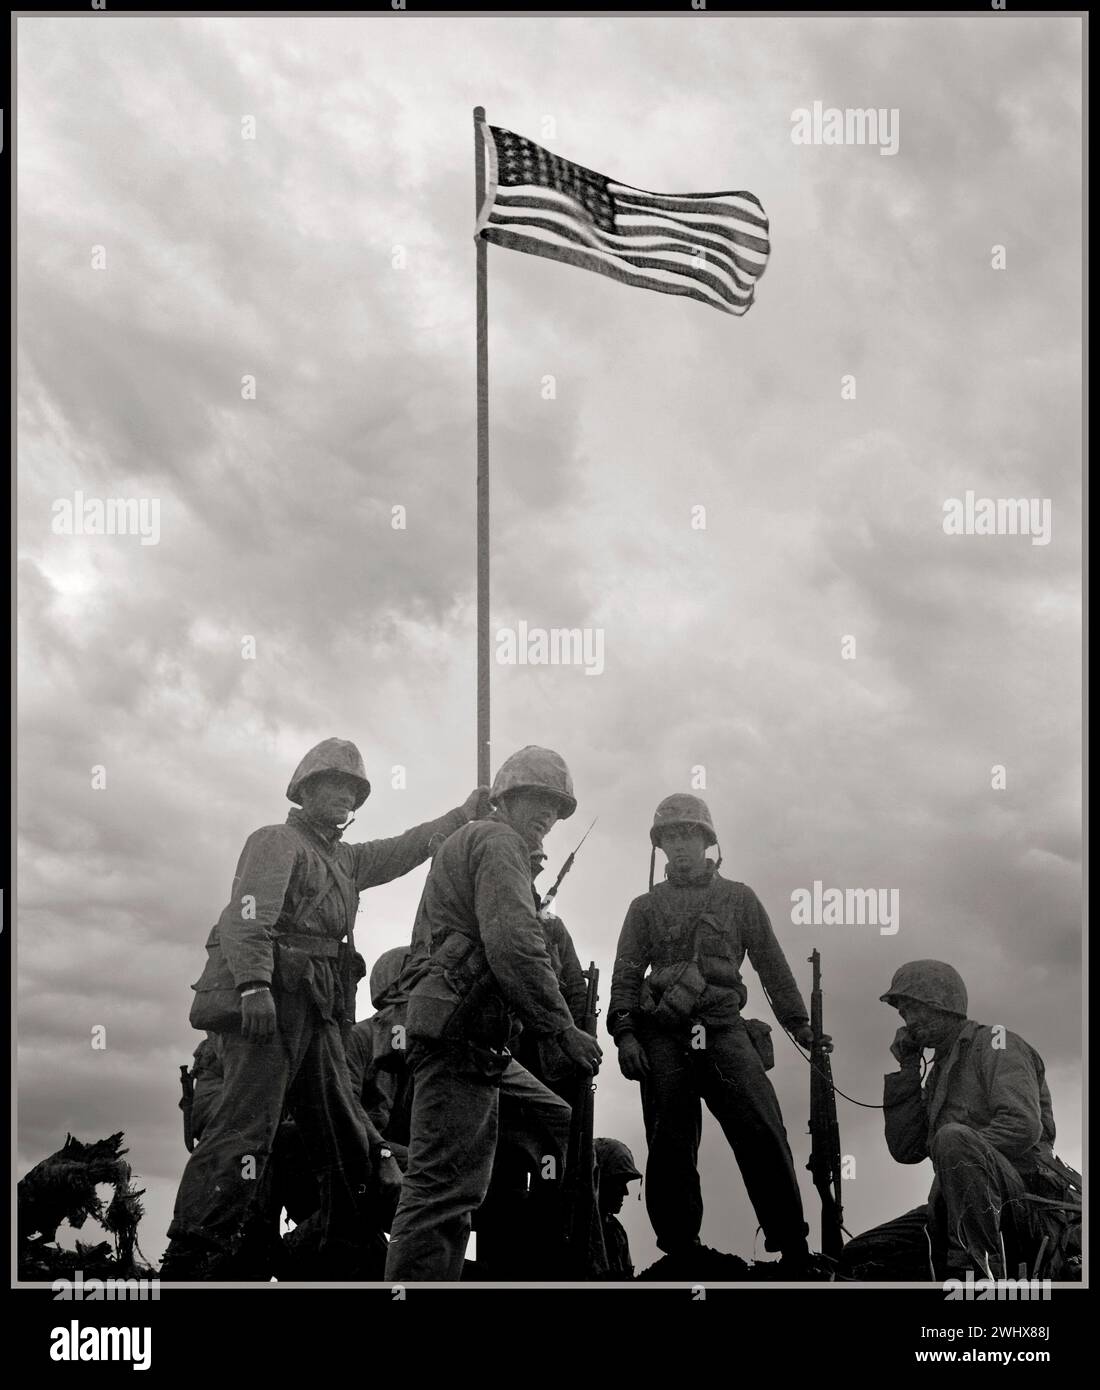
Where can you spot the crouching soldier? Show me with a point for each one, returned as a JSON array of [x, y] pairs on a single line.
[[680, 1033], [485, 964], [274, 990], [984, 1118]]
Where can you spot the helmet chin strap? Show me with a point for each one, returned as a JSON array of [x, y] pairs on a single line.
[[653, 862], [350, 821]]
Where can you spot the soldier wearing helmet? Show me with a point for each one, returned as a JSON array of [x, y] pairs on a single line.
[[615, 1170], [675, 1015], [480, 965], [984, 1118], [273, 992], [376, 1055], [519, 1224]]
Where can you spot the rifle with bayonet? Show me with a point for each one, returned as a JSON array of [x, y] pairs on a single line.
[[581, 1214], [824, 1164], [566, 867]]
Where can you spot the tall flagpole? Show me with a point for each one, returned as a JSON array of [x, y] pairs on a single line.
[[483, 666]]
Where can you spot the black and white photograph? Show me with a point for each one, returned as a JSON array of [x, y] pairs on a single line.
[[548, 668]]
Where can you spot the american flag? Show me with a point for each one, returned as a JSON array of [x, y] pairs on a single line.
[[711, 246]]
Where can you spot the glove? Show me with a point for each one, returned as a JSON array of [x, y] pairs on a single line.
[[633, 1062]]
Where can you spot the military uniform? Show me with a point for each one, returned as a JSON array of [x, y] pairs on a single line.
[[377, 1056], [288, 1183], [480, 966], [294, 898], [519, 1223], [693, 935], [984, 1118], [539, 1055], [614, 1168]]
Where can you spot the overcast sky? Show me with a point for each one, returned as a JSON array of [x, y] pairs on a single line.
[[275, 257]]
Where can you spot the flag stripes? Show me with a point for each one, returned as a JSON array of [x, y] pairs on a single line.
[[712, 247]]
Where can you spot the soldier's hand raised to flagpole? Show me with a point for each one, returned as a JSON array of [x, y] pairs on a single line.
[[476, 804], [258, 1016]]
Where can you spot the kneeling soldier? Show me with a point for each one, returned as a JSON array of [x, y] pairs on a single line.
[[984, 1118]]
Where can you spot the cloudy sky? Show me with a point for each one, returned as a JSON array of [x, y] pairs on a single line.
[[276, 258]]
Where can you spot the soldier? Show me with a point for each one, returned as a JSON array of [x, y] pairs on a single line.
[[485, 963], [519, 1223], [680, 1033], [272, 990], [984, 1118], [376, 1055], [616, 1169]]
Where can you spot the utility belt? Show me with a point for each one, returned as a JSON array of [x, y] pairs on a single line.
[[311, 945], [216, 1007], [450, 992]]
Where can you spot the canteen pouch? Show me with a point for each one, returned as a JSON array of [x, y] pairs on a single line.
[[216, 1011], [216, 1007], [760, 1035], [683, 988], [448, 986], [432, 1005]]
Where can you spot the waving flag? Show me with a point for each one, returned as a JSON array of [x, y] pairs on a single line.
[[711, 246]]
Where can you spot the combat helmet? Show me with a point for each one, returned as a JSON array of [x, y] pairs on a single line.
[[682, 809], [385, 973], [330, 755], [615, 1160], [932, 982], [536, 768]]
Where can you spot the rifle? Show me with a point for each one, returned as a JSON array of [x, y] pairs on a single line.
[[564, 870], [580, 1184], [187, 1102], [824, 1162]]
